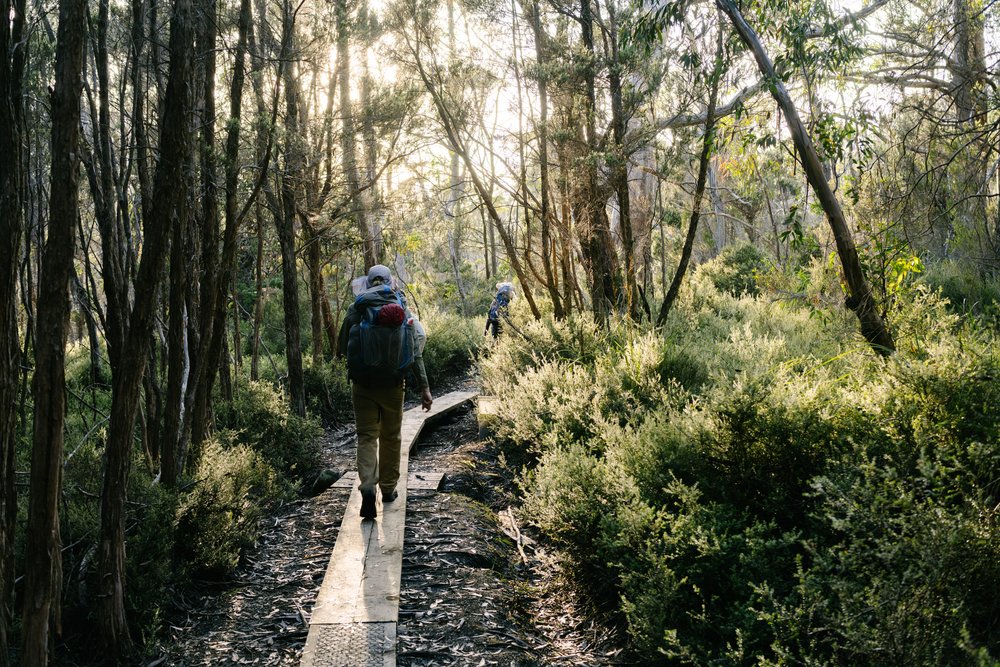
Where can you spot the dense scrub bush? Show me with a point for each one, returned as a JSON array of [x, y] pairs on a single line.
[[259, 418], [756, 487], [217, 520], [328, 391], [736, 269], [966, 290], [452, 343], [561, 401], [149, 558]]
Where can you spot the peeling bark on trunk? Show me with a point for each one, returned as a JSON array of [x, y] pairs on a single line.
[[598, 246]]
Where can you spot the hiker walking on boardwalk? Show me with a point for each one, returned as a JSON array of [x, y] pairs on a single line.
[[498, 309], [381, 341]]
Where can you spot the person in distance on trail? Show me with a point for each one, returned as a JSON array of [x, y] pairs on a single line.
[[381, 341], [498, 309]]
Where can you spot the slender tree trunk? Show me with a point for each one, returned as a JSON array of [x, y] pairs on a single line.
[[43, 574], [217, 283], [599, 245], [168, 209], [347, 139], [11, 231], [707, 145], [210, 283], [544, 195], [619, 168], [860, 298], [258, 309], [114, 236], [177, 366], [314, 265], [286, 223], [373, 195]]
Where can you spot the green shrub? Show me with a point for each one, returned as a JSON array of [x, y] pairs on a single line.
[[150, 564], [452, 343], [903, 576], [328, 391], [259, 417], [736, 269], [756, 486], [967, 290], [571, 501], [551, 403], [217, 520]]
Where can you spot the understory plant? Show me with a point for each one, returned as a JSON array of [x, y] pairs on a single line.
[[751, 485]]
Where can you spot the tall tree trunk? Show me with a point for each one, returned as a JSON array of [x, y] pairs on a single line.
[[169, 208], [114, 236], [373, 194], [457, 145], [258, 309], [707, 145], [177, 360], [314, 266], [967, 65], [217, 288], [205, 320], [860, 298], [456, 187], [43, 573], [12, 59], [599, 246], [347, 138], [286, 222], [619, 167], [544, 195]]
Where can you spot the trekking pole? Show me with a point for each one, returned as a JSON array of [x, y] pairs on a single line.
[[511, 325]]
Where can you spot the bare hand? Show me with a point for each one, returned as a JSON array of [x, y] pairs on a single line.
[[426, 400]]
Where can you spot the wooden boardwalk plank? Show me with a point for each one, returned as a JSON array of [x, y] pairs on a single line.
[[415, 480], [354, 619]]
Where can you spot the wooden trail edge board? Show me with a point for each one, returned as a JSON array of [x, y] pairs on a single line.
[[353, 623]]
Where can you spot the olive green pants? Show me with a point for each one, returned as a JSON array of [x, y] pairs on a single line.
[[378, 414]]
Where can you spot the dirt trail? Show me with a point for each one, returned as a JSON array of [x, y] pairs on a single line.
[[473, 592]]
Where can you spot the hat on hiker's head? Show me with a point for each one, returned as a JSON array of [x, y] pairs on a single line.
[[505, 288], [379, 275]]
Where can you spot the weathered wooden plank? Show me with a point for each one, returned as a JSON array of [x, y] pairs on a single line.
[[350, 645], [426, 481], [415, 480], [358, 602]]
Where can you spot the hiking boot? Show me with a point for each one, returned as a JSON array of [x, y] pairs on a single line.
[[368, 505], [389, 497]]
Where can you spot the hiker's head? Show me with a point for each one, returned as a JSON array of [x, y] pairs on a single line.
[[507, 289], [379, 275]]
